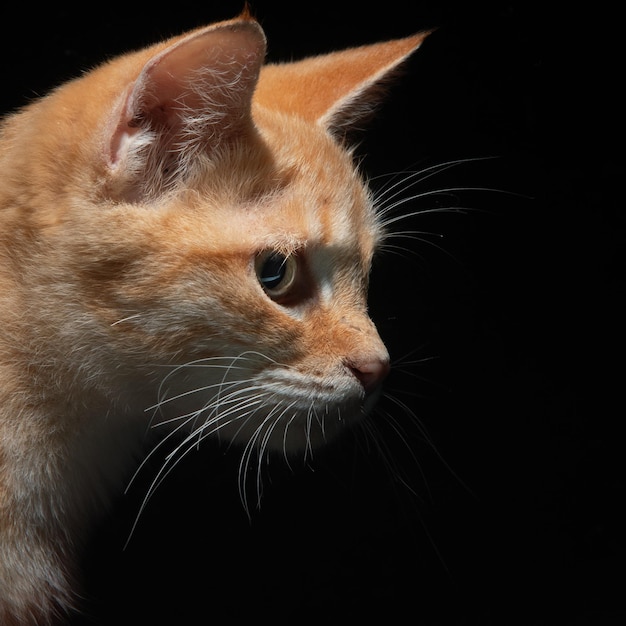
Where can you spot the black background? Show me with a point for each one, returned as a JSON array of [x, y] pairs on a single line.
[[507, 337]]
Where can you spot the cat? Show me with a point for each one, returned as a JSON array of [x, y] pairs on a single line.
[[185, 242]]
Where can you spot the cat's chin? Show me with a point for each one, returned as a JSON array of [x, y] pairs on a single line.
[[371, 399], [295, 429]]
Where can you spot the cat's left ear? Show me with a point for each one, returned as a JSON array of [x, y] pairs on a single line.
[[192, 95], [335, 90]]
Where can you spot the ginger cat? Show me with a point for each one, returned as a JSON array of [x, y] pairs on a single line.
[[185, 243]]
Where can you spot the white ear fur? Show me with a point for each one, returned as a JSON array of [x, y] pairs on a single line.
[[190, 97]]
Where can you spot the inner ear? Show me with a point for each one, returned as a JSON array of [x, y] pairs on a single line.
[[192, 95]]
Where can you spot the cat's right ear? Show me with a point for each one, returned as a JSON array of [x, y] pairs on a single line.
[[336, 91], [192, 96]]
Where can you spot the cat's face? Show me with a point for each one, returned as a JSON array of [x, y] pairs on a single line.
[[204, 242], [246, 303]]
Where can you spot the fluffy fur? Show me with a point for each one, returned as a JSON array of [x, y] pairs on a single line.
[[184, 242]]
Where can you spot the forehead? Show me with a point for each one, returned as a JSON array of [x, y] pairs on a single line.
[[309, 216], [298, 198], [324, 201]]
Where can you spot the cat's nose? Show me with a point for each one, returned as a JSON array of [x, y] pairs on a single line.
[[370, 372]]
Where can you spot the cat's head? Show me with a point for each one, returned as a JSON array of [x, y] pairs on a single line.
[[197, 238]]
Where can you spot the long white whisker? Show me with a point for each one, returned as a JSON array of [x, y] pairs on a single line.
[[258, 441], [215, 423], [287, 425], [176, 456], [403, 360], [185, 394], [402, 251], [154, 450], [263, 447], [208, 362], [430, 194], [419, 176], [244, 464], [125, 319], [229, 395]]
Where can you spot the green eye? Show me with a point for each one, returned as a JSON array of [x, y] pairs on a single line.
[[276, 273]]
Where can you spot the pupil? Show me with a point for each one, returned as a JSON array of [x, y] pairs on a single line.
[[273, 271]]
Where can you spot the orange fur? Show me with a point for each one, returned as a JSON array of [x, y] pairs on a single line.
[[135, 206]]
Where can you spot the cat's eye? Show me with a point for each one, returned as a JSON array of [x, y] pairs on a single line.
[[276, 273]]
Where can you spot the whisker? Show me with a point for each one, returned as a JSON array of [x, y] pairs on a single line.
[[420, 176], [261, 453], [378, 441], [257, 400], [308, 449], [429, 194], [258, 444], [273, 426], [403, 360], [285, 456], [427, 439], [245, 463], [401, 250], [184, 394], [181, 451], [126, 319], [153, 451], [208, 362]]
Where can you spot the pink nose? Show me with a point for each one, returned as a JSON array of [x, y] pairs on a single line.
[[370, 372]]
